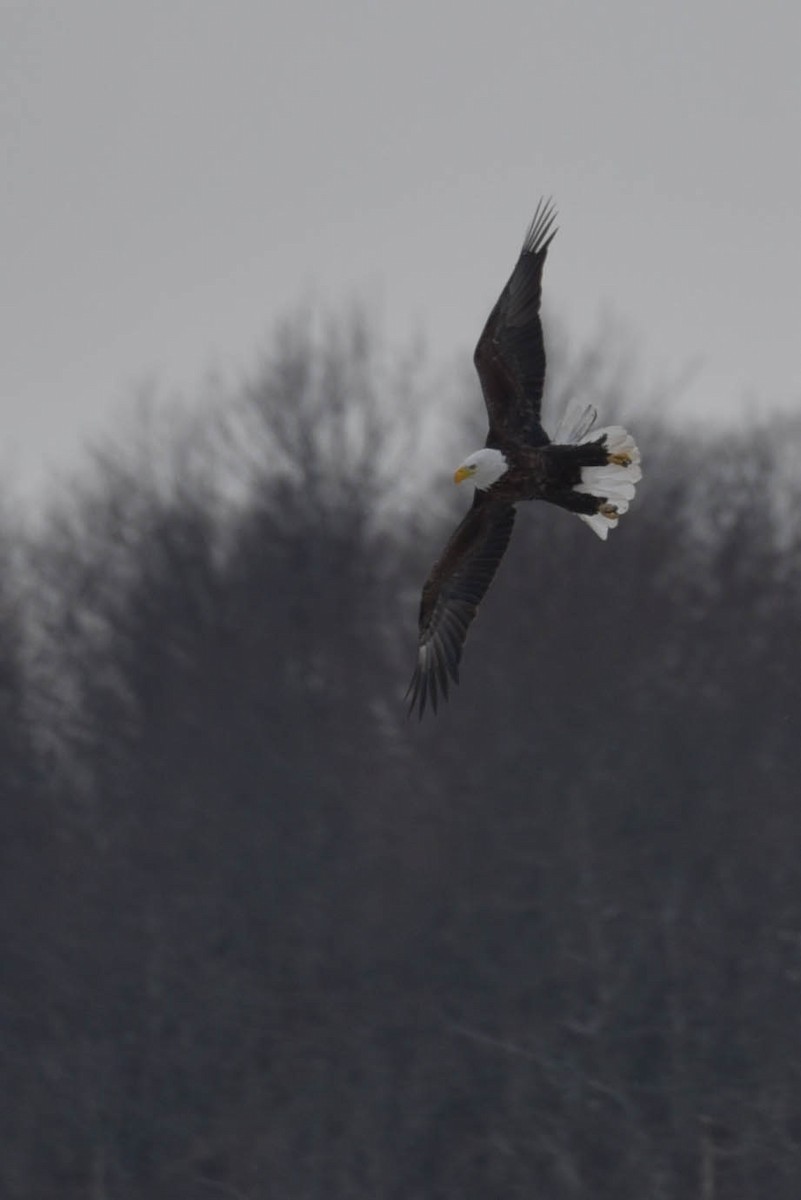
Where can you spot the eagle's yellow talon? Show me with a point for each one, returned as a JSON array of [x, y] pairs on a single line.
[[620, 460]]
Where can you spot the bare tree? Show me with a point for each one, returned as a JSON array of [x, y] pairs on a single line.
[[283, 940]]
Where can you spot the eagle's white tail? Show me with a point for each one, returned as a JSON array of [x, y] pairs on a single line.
[[614, 483], [575, 421]]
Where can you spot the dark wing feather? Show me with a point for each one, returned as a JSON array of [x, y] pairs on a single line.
[[510, 355], [452, 593]]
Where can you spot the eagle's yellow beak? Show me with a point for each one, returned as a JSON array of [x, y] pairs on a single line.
[[462, 474]]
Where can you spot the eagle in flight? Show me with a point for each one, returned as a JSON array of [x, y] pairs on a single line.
[[589, 471]]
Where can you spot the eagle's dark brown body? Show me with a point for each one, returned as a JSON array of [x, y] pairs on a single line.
[[549, 473]]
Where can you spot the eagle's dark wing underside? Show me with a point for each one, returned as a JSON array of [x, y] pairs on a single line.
[[451, 596], [510, 355]]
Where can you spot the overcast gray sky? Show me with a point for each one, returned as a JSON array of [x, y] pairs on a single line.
[[177, 175]]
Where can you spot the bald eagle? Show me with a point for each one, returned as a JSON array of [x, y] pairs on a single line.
[[589, 471]]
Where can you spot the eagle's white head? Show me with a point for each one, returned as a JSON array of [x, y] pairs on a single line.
[[483, 468]]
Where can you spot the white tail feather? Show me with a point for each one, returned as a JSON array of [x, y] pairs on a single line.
[[615, 483], [577, 420], [612, 482], [598, 524]]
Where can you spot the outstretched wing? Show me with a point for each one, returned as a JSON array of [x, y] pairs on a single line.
[[510, 355], [452, 593]]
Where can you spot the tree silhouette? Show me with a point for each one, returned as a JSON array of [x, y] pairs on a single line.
[[270, 937]]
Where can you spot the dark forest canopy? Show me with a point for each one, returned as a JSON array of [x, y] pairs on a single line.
[[264, 936]]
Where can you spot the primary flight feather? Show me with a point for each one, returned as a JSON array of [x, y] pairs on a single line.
[[590, 472]]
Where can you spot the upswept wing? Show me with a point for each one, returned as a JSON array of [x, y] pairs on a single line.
[[510, 355], [451, 595]]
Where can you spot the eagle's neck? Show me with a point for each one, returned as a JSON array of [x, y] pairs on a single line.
[[491, 465]]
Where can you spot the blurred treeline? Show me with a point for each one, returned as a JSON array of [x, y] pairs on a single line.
[[262, 936]]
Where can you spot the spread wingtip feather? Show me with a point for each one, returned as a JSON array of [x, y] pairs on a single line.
[[540, 232]]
